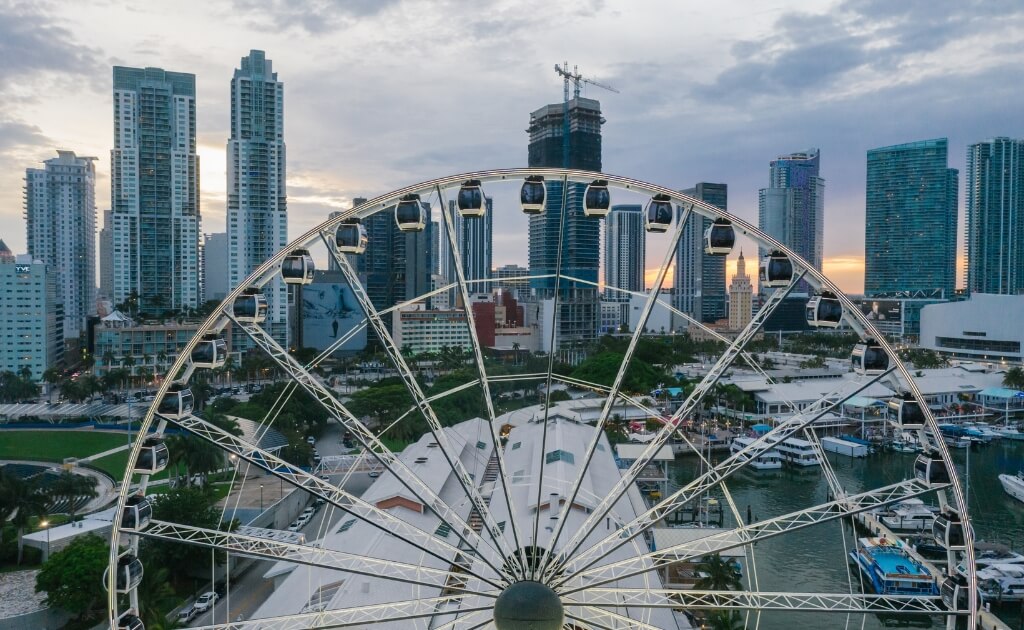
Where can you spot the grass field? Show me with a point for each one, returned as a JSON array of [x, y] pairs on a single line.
[[54, 446]]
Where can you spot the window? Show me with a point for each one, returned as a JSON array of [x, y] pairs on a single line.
[[559, 456], [347, 525]]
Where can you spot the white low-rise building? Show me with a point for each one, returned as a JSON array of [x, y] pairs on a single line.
[[983, 328]]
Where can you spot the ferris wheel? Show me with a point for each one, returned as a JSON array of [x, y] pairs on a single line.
[[513, 520]]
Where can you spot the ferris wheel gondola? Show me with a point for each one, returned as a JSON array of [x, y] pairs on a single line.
[[471, 199], [597, 201]]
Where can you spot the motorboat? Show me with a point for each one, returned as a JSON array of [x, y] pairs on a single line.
[[798, 452], [767, 460], [1000, 583], [910, 515], [986, 554], [890, 568], [1013, 484], [1010, 432]]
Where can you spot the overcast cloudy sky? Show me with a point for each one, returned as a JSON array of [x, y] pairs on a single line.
[[383, 93]]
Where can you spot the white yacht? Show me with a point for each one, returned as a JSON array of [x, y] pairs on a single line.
[[1002, 582], [911, 515], [1010, 432], [987, 554], [767, 460], [1014, 485], [798, 452]]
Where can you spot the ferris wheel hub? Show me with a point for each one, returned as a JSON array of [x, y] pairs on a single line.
[[528, 605]]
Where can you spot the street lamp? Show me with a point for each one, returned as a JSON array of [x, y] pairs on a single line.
[[46, 525], [261, 497]]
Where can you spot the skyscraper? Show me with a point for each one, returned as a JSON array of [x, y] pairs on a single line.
[[106, 255], [579, 307], [741, 297], [911, 213], [397, 266], [474, 237], [32, 313], [625, 245], [215, 266], [257, 218], [699, 280], [154, 189], [60, 214], [792, 208], [995, 216]]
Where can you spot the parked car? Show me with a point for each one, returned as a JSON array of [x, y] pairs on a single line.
[[310, 511], [205, 601], [294, 527], [319, 503], [311, 440], [188, 614]]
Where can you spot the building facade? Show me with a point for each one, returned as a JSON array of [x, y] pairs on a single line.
[[792, 208], [31, 316], [578, 304], [699, 280], [154, 189], [911, 219], [741, 297], [60, 216], [215, 266], [625, 241], [146, 350], [106, 256], [398, 266], [512, 278], [474, 236], [257, 211], [418, 329], [995, 216], [985, 327]]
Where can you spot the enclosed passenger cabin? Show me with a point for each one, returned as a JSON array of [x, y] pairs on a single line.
[[409, 215], [250, 307], [210, 353], [719, 238], [776, 270], [659, 213], [471, 199], [129, 573], [948, 529], [824, 310], [297, 267], [177, 403], [153, 456], [350, 237], [954, 591], [907, 411], [868, 357], [930, 469], [138, 511], [597, 201], [130, 621], [531, 195]]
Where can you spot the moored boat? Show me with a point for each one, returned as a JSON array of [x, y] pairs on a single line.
[[1013, 484], [909, 515], [768, 460], [1001, 583], [798, 452], [890, 569]]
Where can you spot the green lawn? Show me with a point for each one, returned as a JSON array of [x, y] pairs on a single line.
[[54, 446]]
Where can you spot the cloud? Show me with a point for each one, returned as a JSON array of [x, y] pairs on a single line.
[[31, 44], [314, 16], [16, 134]]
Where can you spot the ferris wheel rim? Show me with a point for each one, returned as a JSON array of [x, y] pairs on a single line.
[[267, 271]]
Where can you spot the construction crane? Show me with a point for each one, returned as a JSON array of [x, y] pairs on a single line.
[[576, 79]]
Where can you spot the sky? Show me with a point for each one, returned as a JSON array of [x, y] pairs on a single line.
[[380, 94]]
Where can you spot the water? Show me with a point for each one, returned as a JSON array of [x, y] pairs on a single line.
[[814, 559]]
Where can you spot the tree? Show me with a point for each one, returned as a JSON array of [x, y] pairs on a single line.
[[72, 488], [21, 500], [16, 388], [187, 506], [718, 574], [156, 596], [722, 620], [1014, 378], [52, 376], [73, 577]]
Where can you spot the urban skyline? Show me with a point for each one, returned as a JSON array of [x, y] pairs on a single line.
[[726, 113]]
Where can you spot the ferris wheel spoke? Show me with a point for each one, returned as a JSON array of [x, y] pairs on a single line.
[[708, 480], [604, 618], [366, 437], [746, 534], [338, 497], [461, 621], [405, 610], [483, 379], [692, 401], [480, 504], [609, 402], [765, 601], [266, 548]]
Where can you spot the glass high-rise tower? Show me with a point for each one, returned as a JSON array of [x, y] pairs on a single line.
[[625, 245], [257, 212], [995, 216], [154, 189], [579, 305], [792, 208], [911, 216], [699, 279], [60, 216]]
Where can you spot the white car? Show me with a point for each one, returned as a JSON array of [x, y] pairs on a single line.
[[304, 519], [311, 440], [205, 601], [294, 527], [308, 512]]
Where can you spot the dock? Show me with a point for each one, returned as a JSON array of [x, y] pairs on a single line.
[[987, 620]]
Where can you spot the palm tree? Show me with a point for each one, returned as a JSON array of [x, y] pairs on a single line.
[[515, 352], [718, 574], [52, 376], [721, 620], [24, 500], [156, 597], [72, 488], [1014, 378]]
